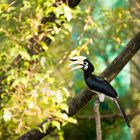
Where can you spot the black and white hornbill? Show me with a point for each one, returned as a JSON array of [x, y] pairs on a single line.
[[97, 84]]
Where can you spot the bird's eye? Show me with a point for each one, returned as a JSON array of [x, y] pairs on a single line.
[[85, 63]]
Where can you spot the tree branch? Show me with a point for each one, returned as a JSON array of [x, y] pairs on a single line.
[[97, 119], [80, 100], [122, 59], [109, 116]]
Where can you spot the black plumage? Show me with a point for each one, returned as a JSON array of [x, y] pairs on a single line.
[[97, 83], [100, 85]]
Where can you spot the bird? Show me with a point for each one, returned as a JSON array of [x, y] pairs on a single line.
[[97, 84]]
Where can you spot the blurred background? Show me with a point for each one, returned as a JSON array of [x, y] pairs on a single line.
[[37, 38]]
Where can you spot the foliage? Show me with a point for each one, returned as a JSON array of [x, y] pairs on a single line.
[[39, 86], [35, 90]]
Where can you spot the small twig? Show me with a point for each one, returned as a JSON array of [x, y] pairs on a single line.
[[97, 119], [109, 116]]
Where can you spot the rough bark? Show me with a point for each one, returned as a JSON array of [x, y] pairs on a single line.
[[97, 120], [122, 59], [80, 100]]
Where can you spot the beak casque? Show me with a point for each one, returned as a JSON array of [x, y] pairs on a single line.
[[77, 60]]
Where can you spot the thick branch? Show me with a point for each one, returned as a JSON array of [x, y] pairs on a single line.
[[77, 102], [122, 59]]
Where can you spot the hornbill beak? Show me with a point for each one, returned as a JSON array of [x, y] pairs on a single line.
[[77, 60]]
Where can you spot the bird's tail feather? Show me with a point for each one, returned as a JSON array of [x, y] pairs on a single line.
[[122, 112]]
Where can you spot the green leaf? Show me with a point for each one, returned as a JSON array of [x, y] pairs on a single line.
[[23, 52], [44, 46], [67, 26], [45, 126], [43, 61], [72, 120], [7, 115], [39, 129], [57, 124], [67, 13], [64, 107]]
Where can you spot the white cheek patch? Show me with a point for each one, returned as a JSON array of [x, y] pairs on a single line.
[[86, 67]]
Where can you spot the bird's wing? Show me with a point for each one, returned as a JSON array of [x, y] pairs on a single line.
[[101, 85]]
